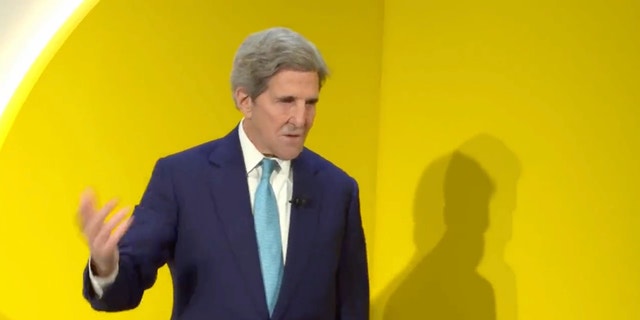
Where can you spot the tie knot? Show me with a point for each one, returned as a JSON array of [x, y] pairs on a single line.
[[267, 168]]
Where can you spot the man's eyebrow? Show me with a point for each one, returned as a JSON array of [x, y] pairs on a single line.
[[292, 98], [286, 98]]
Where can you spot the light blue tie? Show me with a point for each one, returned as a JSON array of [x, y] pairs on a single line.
[[267, 223]]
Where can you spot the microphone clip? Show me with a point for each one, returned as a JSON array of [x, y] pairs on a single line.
[[298, 202]]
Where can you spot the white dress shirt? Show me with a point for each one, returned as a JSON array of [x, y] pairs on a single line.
[[281, 181]]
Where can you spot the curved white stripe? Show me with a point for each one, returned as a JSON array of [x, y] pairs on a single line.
[[26, 27]]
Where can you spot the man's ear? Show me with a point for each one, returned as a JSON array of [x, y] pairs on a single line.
[[244, 103]]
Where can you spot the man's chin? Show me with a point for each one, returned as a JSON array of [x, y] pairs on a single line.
[[290, 153]]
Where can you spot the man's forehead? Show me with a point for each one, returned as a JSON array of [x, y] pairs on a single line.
[[299, 92]]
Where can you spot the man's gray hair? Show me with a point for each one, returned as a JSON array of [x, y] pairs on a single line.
[[263, 54]]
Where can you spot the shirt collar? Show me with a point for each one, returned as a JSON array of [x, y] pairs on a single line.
[[252, 156]]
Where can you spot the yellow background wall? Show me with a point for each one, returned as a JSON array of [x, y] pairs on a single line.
[[523, 117], [136, 81], [542, 98]]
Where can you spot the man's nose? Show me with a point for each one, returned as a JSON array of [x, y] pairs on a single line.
[[299, 114]]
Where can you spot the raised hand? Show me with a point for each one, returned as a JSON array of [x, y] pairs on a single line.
[[102, 236]]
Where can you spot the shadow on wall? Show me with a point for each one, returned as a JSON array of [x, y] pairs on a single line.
[[462, 224]]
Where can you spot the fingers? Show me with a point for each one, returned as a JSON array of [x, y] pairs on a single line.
[[86, 207], [105, 230], [113, 240], [94, 221]]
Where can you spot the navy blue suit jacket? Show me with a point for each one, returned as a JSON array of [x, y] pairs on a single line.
[[195, 216]]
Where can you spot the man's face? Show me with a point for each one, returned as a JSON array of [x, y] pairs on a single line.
[[278, 120]]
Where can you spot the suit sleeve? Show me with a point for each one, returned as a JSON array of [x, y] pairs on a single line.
[[353, 277], [147, 246]]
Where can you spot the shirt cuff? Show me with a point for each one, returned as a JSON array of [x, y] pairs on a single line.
[[100, 284]]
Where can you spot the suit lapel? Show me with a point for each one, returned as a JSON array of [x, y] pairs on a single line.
[[302, 230], [233, 206]]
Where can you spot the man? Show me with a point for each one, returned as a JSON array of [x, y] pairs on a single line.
[[252, 225]]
